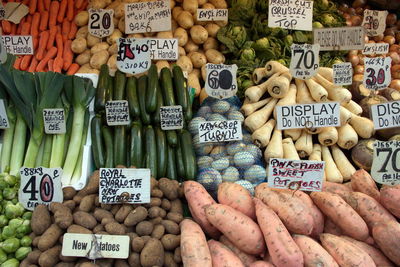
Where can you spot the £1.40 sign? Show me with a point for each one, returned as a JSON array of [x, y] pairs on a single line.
[[304, 62], [377, 74], [133, 55]]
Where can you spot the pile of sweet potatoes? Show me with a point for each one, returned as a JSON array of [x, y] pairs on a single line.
[[153, 228], [344, 225]]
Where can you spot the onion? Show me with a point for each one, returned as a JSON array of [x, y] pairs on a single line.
[[366, 39], [349, 23], [343, 7], [346, 16], [361, 58], [394, 48], [353, 53], [379, 37], [398, 37], [395, 58], [354, 59], [359, 3], [395, 84], [395, 70], [359, 11], [356, 20], [388, 31], [358, 78], [389, 39], [371, 42], [359, 69], [391, 19], [351, 11]]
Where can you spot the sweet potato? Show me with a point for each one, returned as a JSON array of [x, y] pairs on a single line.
[[331, 228], [237, 197], [261, 264], [194, 248], [240, 229], [387, 236], [247, 259], [40, 219], [295, 215], [344, 252], [314, 254], [362, 182], [282, 248], [222, 256], [336, 188], [198, 198], [342, 214], [390, 199]]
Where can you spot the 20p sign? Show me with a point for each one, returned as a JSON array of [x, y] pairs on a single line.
[[133, 55], [377, 74], [101, 23], [304, 62]]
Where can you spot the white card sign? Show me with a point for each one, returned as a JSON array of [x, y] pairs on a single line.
[[133, 55], [164, 49], [377, 73], [101, 22], [124, 186], [304, 62], [4, 123], [220, 131], [117, 112], [386, 115], [171, 117], [94, 246], [40, 186], [54, 121], [305, 175], [376, 48], [385, 167], [308, 115], [2, 11], [212, 14], [221, 80], [18, 44], [291, 14], [374, 22], [339, 38], [342, 73], [3, 53], [153, 16]]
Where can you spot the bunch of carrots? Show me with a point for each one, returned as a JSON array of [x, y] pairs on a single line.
[[50, 22]]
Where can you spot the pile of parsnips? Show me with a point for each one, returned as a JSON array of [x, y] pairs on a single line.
[[276, 87]]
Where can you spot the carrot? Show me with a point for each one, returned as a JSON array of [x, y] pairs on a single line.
[[58, 64], [68, 55], [40, 5], [44, 20], [50, 64], [51, 53], [79, 3], [33, 65], [72, 32], [66, 27], [52, 37], [314, 254], [13, 29], [387, 236], [29, 19], [54, 7], [237, 197], [61, 11], [21, 23], [72, 69], [32, 6], [47, 4], [25, 2], [35, 41], [362, 182], [222, 256], [25, 28], [59, 45], [6, 26], [70, 10], [35, 24], [25, 62], [247, 259], [17, 63], [44, 36]]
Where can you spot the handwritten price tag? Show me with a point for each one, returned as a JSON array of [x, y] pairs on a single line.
[[101, 23], [374, 22], [54, 121], [3, 53], [342, 73], [386, 162], [220, 131], [304, 63], [377, 74], [133, 55], [117, 113], [2, 11], [376, 48], [4, 124], [212, 14], [221, 80], [291, 14], [171, 117]]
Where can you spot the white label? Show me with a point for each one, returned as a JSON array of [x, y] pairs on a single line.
[[291, 14], [374, 22], [386, 162], [376, 48], [212, 14], [386, 115], [304, 62], [18, 44], [2, 11], [92, 76], [221, 80], [342, 73], [124, 186], [303, 175], [220, 131], [95, 246], [171, 117], [40, 186], [117, 112], [54, 121], [164, 49], [154, 16], [377, 74], [101, 22], [4, 124], [3, 53], [133, 55], [340, 38], [308, 115]]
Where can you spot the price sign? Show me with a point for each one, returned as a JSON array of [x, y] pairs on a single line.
[[154, 16], [3, 53], [4, 124], [377, 74], [54, 121], [374, 22], [342, 73], [304, 63], [124, 186], [171, 117], [221, 80], [303, 175], [117, 112], [164, 49], [212, 14], [376, 48], [290, 14], [133, 55], [220, 131], [386, 162], [94, 246], [18, 44], [40, 186], [386, 115], [101, 23], [339, 38], [2, 11]]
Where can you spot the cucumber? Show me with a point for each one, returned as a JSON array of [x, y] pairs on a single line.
[[101, 90], [182, 95], [132, 96], [171, 167], [161, 152], [180, 169], [136, 146], [98, 150], [167, 87], [188, 114], [142, 88], [151, 93], [119, 85], [110, 88], [160, 103], [188, 155], [151, 151], [172, 138], [120, 145], [106, 131]]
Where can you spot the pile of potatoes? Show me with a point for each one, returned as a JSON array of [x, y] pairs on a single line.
[[197, 40], [153, 228]]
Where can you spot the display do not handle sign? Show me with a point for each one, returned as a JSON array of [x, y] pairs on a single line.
[[221, 80]]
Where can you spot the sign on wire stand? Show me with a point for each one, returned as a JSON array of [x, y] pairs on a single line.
[[220, 131], [386, 115], [374, 22], [221, 80], [171, 117], [133, 55], [164, 49], [18, 44], [54, 121], [386, 162], [101, 22], [376, 49], [4, 124], [340, 38], [304, 62], [377, 72], [291, 14], [342, 73], [212, 14], [117, 112]]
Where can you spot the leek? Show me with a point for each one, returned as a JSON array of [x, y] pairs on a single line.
[[19, 141], [47, 147], [8, 140]]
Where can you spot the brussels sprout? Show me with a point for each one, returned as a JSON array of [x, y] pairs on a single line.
[[261, 44], [10, 263], [247, 54], [8, 232], [10, 245], [23, 230], [3, 256], [14, 200], [328, 19], [26, 241], [3, 221], [27, 215], [3, 184], [14, 211], [11, 180], [22, 252], [15, 223], [317, 25], [9, 193]]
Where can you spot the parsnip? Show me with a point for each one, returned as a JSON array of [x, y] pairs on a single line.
[[254, 93], [363, 126], [274, 67], [317, 91], [249, 108], [303, 95], [262, 135], [353, 107], [332, 172], [278, 87], [274, 148], [347, 136], [316, 153], [344, 165], [258, 75], [292, 133], [289, 99], [312, 130], [345, 116], [327, 73], [328, 136], [304, 144], [260, 117], [289, 150], [335, 93]]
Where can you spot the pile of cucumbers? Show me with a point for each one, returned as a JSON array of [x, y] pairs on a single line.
[[143, 144]]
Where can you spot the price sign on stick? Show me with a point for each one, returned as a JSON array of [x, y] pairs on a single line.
[[2, 11], [304, 62], [40, 186], [220, 131], [377, 73], [101, 23], [171, 118], [342, 73], [117, 113], [221, 80], [133, 55], [3, 53], [386, 162], [54, 121], [290, 14], [4, 124], [374, 22]]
